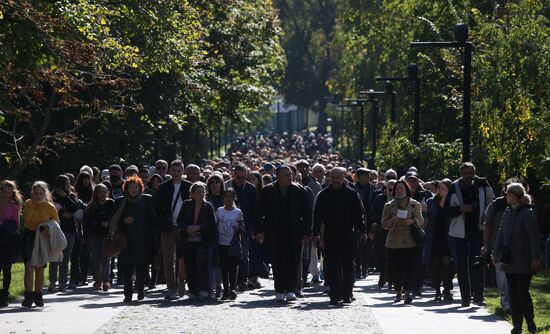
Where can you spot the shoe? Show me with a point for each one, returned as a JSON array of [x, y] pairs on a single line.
[[315, 279], [242, 286], [71, 286], [37, 299], [97, 286], [27, 300], [225, 296], [531, 326], [291, 296], [3, 298], [408, 298], [447, 296], [279, 296], [171, 295], [141, 295], [106, 286], [51, 287], [127, 299], [437, 298], [307, 285], [84, 283], [516, 330], [346, 300], [479, 302], [218, 291], [203, 295], [232, 295], [300, 295], [381, 283], [465, 303], [398, 297], [151, 286], [192, 297], [417, 292], [62, 289], [334, 302], [181, 289]]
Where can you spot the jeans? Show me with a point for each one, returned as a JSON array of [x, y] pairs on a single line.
[[64, 264], [502, 285], [470, 278], [521, 304], [100, 260], [314, 261]]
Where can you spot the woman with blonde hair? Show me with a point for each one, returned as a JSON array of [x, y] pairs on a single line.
[[517, 249], [37, 210], [11, 203]]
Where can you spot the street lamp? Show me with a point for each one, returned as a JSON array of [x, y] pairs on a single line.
[[460, 33], [413, 76], [361, 102]]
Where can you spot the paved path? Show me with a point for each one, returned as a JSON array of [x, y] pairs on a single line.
[[255, 311]]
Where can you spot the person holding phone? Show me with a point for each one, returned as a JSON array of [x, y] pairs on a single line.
[[517, 250]]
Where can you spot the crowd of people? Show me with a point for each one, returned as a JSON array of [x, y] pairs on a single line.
[[281, 205]]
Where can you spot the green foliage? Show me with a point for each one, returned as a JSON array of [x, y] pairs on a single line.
[[76, 70], [511, 76]]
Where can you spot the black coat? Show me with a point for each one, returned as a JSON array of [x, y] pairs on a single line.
[[298, 212], [207, 221], [93, 220], [163, 202], [139, 235], [341, 212]]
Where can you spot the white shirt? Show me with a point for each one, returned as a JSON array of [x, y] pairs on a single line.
[[227, 220], [178, 200]]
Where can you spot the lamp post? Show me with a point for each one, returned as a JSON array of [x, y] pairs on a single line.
[[460, 33], [361, 102], [413, 76]]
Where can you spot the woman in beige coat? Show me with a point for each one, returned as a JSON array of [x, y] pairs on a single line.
[[397, 217]]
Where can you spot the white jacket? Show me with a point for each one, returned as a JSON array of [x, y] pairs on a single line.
[[457, 227], [49, 247]]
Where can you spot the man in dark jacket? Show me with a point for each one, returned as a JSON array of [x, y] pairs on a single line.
[[365, 189], [285, 225], [168, 202], [246, 200], [338, 217]]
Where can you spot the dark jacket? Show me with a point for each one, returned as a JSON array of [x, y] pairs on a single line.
[[247, 201], [367, 195], [139, 235], [298, 212], [519, 237], [164, 205], [341, 212], [207, 221], [67, 204], [434, 215], [93, 220]]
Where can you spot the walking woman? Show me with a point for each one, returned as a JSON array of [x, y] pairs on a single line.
[[37, 210], [135, 217], [96, 228], [215, 188], [517, 248], [436, 249], [398, 217], [66, 204], [11, 203], [198, 232], [155, 263]]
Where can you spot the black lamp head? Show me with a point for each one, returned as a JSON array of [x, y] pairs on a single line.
[[460, 32], [413, 70], [388, 87]]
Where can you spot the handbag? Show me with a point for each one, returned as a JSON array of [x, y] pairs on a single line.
[[235, 248], [114, 244], [418, 234]]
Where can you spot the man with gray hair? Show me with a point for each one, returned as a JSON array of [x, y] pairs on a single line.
[[318, 172], [193, 173], [338, 218]]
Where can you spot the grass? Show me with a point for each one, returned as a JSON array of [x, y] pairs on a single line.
[[540, 292], [17, 287]]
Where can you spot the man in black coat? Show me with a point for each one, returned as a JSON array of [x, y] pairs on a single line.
[[285, 226], [168, 202], [246, 200], [339, 216]]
